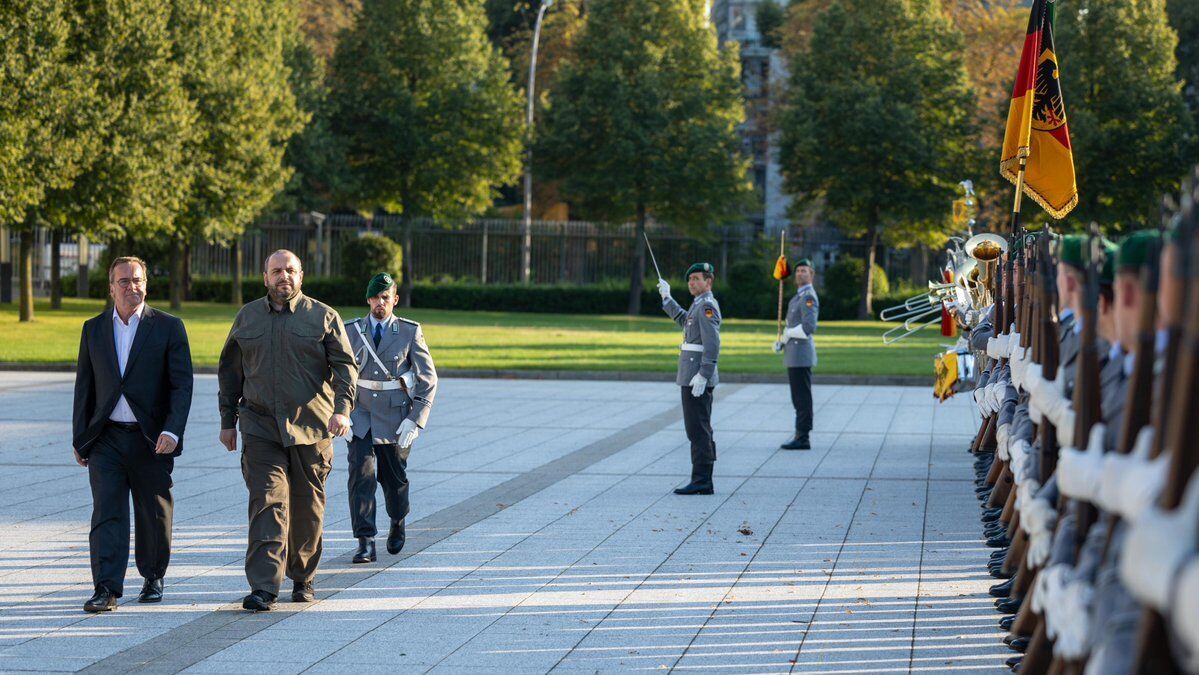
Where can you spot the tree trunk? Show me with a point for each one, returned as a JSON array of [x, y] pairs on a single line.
[[25, 263], [919, 267], [176, 283], [638, 274], [56, 268], [866, 309], [406, 265], [235, 290], [187, 271]]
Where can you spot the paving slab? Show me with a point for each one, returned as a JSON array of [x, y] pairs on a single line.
[[544, 537]]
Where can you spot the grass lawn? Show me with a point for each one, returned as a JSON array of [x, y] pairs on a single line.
[[511, 341]]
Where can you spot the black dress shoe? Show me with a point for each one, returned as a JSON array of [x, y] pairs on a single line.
[[1009, 605], [1006, 622], [990, 517], [797, 443], [1014, 663], [695, 489], [1019, 644], [999, 541], [395, 537], [1002, 590], [994, 530], [151, 591], [258, 601], [366, 550], [102, 601], [302, 592], [998, 573]]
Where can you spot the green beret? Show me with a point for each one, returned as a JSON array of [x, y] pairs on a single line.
[[379, 283], [706, 268], [1107, 275], [1137, 249], [805, 262], [1071, 249]]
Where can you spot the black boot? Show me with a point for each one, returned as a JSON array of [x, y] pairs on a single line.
[[800, 442], [396, 537], [701, 481], [366, 550], [1002, 590]]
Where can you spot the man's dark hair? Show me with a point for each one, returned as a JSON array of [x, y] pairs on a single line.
[[127, 260]]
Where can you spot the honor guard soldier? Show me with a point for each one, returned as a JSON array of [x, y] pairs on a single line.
[[799, 351], [396, 385], [697, 373]]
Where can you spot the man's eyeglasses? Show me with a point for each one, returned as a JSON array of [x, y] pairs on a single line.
[[135, 281]]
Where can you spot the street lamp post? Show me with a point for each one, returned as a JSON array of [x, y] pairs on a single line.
[[526, 247]]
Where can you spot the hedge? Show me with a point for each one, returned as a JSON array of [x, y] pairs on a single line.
[[747, 298]]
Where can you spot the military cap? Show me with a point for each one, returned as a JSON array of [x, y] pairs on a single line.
[[706, 268], [1138, 250], [379, 283], [805, 262], [1107, 275], [1072, 248]]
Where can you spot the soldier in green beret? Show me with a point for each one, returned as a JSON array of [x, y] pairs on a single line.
[[697, 373], [396, 385]]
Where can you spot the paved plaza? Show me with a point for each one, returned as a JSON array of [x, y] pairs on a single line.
[[544, 537]]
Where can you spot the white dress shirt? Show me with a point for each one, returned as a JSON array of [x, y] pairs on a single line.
[[123, 334]]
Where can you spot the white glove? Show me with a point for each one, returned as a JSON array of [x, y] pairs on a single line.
[[778, 346], [1042, 519], [1001, 438], [997, 347], [1158, 543], [1064, 426], [698, 384], [979, 394], [1132, 483], [1073, 634], [795, 332], [1019, 452], [409, 379], [1013, 342], [1080, 472], [663, 288], [1020, 361], [996, 393], [407, 433], [1050, 583], [1184, 615]]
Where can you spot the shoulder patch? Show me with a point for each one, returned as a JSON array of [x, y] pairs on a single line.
[[709, 312], [810, 301]]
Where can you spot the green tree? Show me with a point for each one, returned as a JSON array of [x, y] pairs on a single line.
[[42, 140], [642, 120], [232, 60], [429, 122], [132, 182], [1184, 18], [877, 126], [1128, 123]]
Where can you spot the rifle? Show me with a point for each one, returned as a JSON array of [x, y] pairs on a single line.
[[1182, 423]]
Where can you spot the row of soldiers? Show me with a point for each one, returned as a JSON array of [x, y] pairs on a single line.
[[1085, 458]]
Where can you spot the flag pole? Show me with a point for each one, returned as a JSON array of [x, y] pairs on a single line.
[[782, 252]]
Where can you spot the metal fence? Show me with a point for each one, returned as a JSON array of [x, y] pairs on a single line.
[[481, 250]]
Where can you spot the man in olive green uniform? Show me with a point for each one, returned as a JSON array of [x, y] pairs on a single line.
[[396, 385], [287, 378], [697, 372]]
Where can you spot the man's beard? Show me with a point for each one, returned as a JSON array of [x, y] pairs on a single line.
[[379, 313], [281, 297]]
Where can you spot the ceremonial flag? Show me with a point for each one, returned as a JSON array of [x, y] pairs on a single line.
[[1037, 121], [781, 269]]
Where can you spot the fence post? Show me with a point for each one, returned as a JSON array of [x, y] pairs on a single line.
[[724, 253], [85, 250], [483, 264], [5, 266]]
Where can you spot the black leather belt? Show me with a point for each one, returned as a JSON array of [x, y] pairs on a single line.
[[124, 426]]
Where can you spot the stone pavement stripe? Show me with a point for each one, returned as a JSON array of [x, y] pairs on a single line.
[[194, 641]]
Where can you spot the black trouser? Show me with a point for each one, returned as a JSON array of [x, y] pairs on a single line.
[[697, 419], [122, 462], [801, 398], [392, 473]]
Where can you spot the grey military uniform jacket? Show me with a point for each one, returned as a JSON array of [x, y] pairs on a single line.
[[401, 349], [701, 327], [803, 310], [1113, 386]]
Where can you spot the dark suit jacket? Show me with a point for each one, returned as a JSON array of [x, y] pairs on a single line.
[[157, 382]]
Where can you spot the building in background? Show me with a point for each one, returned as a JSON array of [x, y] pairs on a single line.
[[763, 73]]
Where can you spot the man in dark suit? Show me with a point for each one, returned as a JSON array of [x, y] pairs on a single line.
[[133, 392]]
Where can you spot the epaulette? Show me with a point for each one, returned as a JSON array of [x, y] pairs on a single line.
[[352, 321], [414, 323]]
